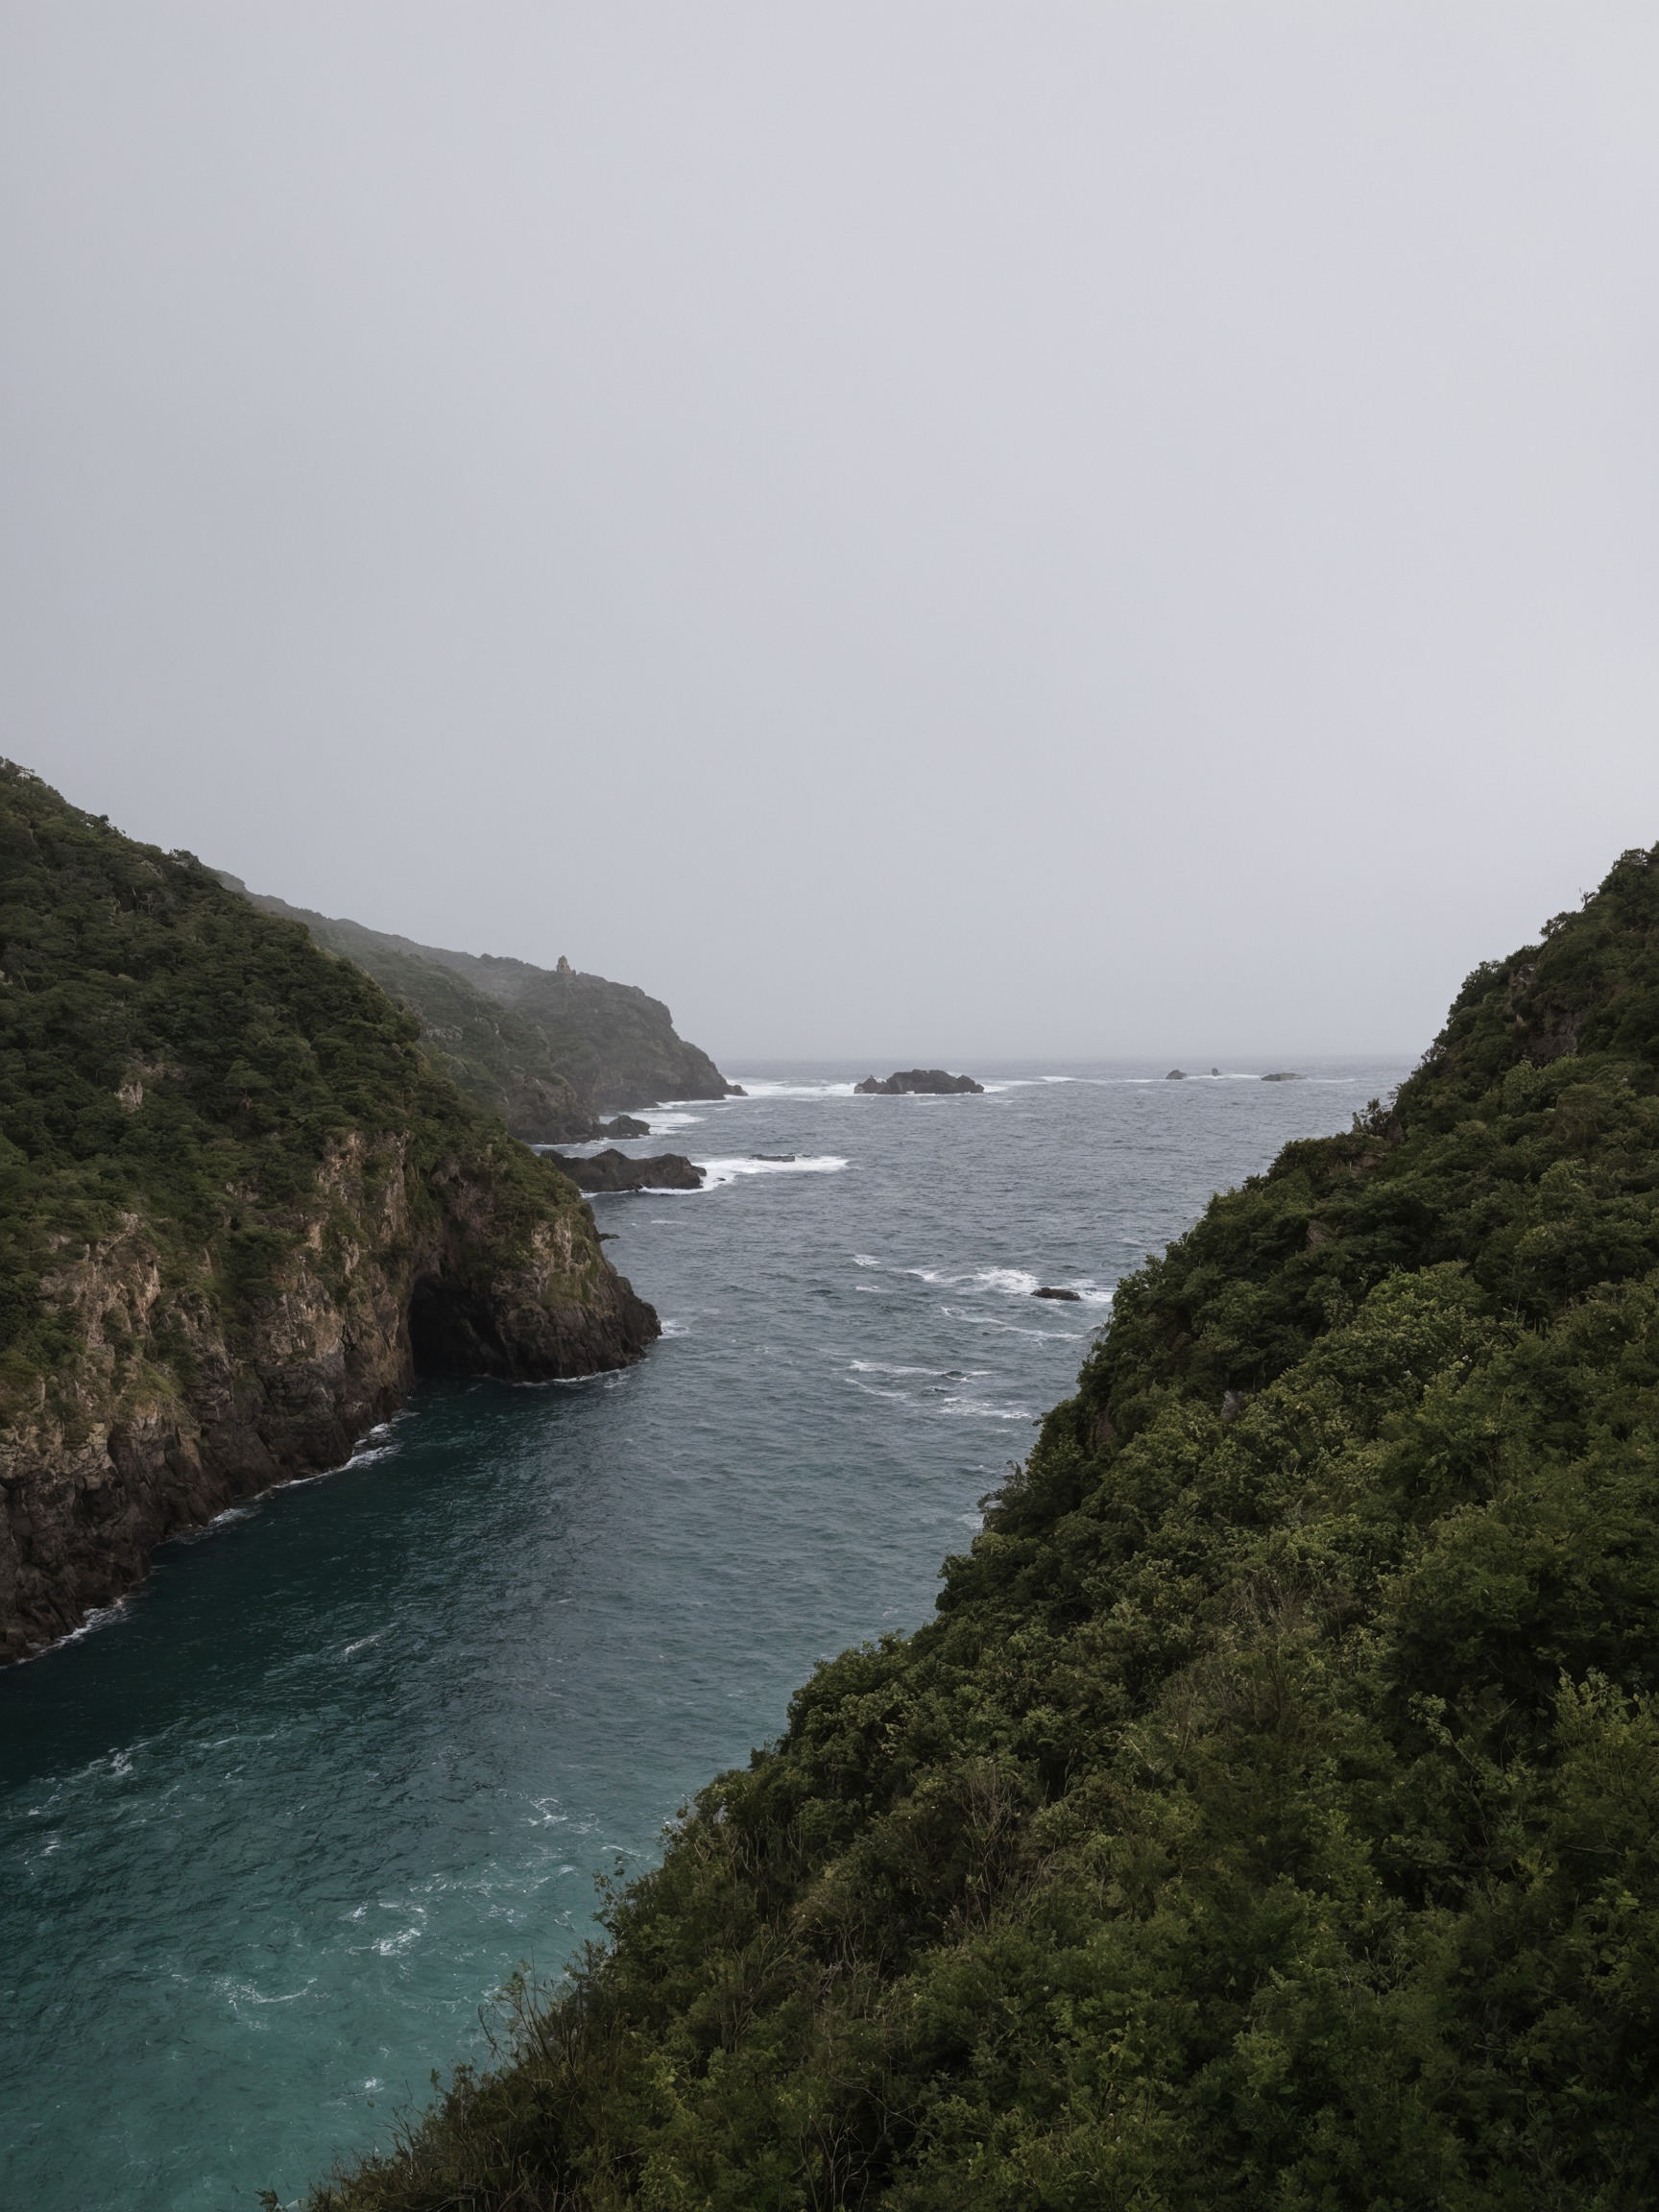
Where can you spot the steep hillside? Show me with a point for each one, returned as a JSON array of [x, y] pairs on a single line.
[[547, 1048], [238, 1210], [494, 1056], [1270, 1817]]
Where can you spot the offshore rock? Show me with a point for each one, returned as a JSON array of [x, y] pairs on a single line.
[[623, 1125], [1071, 1297], [615, 1170], [926, 1082]]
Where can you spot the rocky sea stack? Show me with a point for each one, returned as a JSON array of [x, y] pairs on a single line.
[[242, 1210], [924, 1082]]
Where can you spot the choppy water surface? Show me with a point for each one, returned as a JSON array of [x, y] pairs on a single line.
[[270, 1837]]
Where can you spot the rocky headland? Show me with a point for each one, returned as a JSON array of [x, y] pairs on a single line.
[[240, 1211], [551, 1050], [923, 1082]]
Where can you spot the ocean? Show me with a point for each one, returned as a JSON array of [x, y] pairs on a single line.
[[275, 1832]]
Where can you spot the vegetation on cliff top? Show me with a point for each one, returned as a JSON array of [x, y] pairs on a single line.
[[167, 1052], [546, 1049], [1270, 1817]]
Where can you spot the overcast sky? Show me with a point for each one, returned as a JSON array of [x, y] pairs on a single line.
[[912, 530]]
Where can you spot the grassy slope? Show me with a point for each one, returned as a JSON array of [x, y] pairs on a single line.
[[165, 1050], [1270, 1817]]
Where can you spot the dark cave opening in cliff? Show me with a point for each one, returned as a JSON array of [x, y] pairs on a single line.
[[451, 1333]]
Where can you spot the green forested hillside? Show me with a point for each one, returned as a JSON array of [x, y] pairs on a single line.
[[548, 1049], [167, 1051], [1270, 1817], [496, 1058]]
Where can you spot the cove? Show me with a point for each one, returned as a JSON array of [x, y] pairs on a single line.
[[274, 1834]]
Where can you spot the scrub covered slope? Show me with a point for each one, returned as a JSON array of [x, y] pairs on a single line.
[[1270, 1817], [548, 1049]]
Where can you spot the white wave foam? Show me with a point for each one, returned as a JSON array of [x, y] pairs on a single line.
[[1011, 1282], [976, 1409], [886, 1367], [759, 1087], [1010, 1327], [718, 1172], [864, 1260], [661, 1122], [876, 1390], [100, 1617]]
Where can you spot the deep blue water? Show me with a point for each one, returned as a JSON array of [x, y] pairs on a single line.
[[271, 1835]]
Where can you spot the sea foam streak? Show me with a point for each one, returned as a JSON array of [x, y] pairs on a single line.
[[755, 1087], [718, 1172]]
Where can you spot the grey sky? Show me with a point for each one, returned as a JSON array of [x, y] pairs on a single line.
[[906, 529]]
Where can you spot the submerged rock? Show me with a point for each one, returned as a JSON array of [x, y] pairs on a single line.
[[927, 1082]]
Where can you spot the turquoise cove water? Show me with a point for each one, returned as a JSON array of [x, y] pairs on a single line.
[[273, 1833]]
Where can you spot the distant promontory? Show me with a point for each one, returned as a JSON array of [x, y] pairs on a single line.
[[549, 1049]]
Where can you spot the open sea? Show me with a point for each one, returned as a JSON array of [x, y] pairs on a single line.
[[275, 1830]]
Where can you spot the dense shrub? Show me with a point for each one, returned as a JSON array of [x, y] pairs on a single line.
[[1270, 1817]]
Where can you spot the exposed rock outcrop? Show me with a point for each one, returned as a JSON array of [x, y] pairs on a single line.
[[615, 1170], [927, 1082]]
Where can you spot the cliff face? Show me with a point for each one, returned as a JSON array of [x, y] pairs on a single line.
[[548, 1049], [239, 1213]]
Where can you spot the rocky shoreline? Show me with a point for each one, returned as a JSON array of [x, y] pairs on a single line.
[[169, 1419]]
